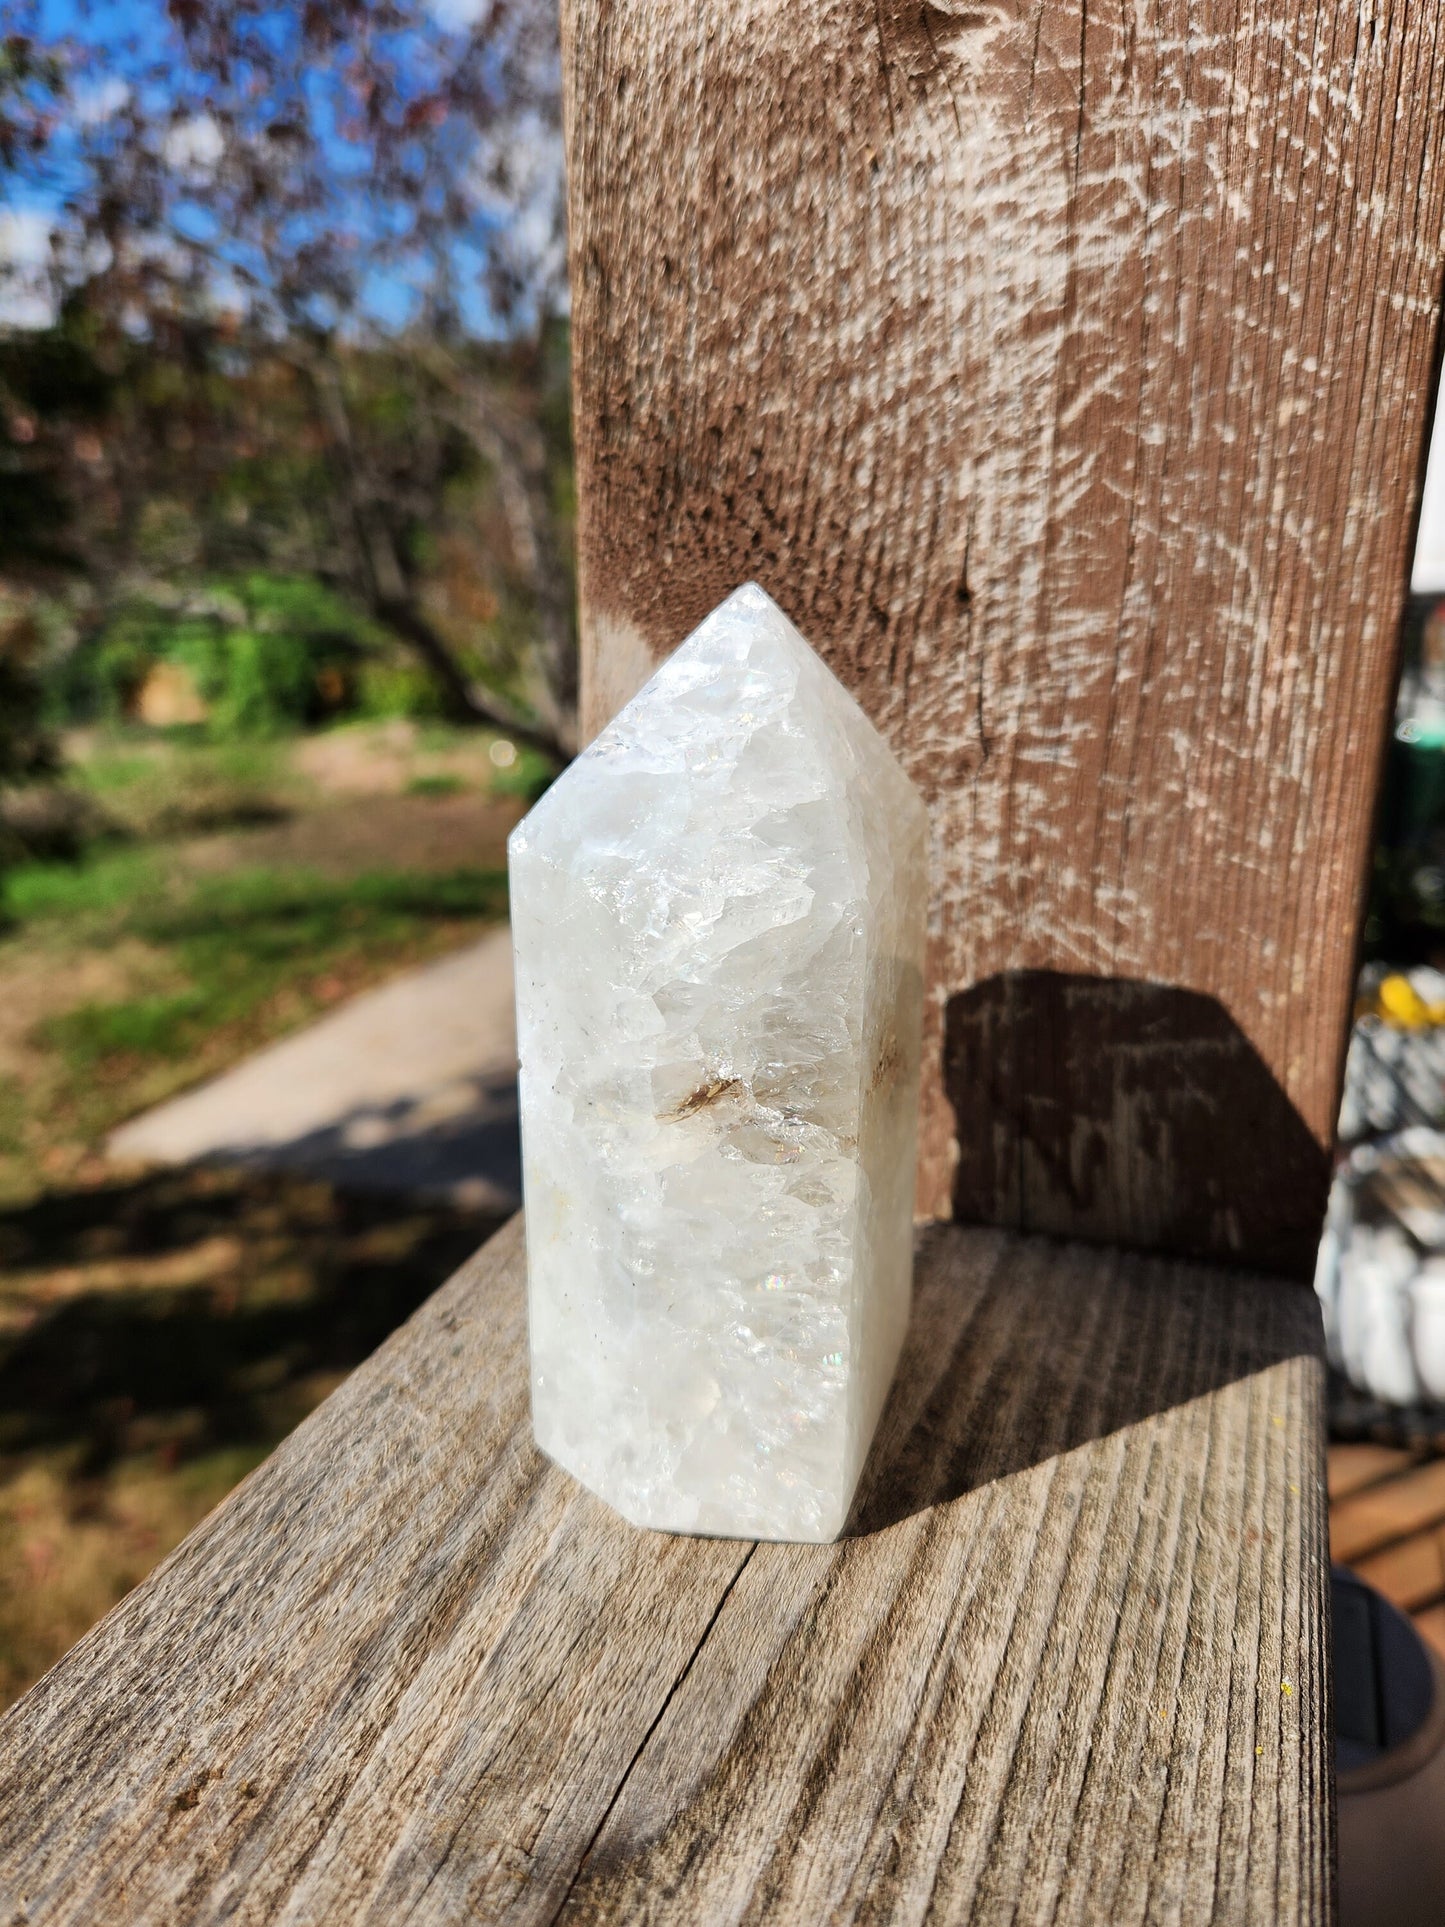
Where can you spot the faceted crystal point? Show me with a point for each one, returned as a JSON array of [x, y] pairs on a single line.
[[718, 914]]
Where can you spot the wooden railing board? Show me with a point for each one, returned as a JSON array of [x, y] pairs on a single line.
[[410, 1671]]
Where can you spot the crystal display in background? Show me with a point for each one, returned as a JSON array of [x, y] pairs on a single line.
[[718, 913]]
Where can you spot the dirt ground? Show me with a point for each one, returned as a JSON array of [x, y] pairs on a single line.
[[468, 830]]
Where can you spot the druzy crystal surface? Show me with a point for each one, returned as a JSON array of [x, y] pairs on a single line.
[[718, 914]]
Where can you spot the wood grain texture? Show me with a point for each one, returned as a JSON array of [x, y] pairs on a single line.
[[1069, 1666], [1062, 369]]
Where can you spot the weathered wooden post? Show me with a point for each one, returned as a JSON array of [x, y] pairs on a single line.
[[1063, 371]]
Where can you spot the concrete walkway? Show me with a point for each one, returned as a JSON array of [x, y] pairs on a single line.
[[412, 1087]]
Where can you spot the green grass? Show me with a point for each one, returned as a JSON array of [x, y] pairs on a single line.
[[112, 880], [164, 783], [239, 941], [175, 757], [433, 736], [440, 784], [143, 1027], [114, 770], [207, 967], [12, 1117], [187, 950]]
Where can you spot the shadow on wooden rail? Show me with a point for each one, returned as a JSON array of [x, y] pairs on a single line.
[[409, 1670], [1019, 1352], [1127, 1112]]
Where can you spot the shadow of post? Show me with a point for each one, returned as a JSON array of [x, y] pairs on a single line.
[[1130, 1113]]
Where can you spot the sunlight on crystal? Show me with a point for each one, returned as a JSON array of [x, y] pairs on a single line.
[[718, 915]]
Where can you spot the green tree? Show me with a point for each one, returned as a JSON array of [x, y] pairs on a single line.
[[27, 750], [275, 221], [31, 498]]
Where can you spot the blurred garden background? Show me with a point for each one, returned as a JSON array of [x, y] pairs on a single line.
[[285, 649]]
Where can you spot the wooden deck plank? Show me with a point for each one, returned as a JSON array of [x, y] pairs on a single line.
[[1367, 1510], [1355, 1465], [1430, 1624], [1409, 1573], [1393, 1509], [1068, 1665]]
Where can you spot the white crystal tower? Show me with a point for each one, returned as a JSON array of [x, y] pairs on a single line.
[[718, 914]]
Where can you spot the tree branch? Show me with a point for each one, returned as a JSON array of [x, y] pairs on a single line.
[[468, 701]]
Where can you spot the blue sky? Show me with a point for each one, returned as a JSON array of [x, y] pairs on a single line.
[[128, 40]]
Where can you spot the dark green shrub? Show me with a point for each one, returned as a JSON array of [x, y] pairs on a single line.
[[27, 752]]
